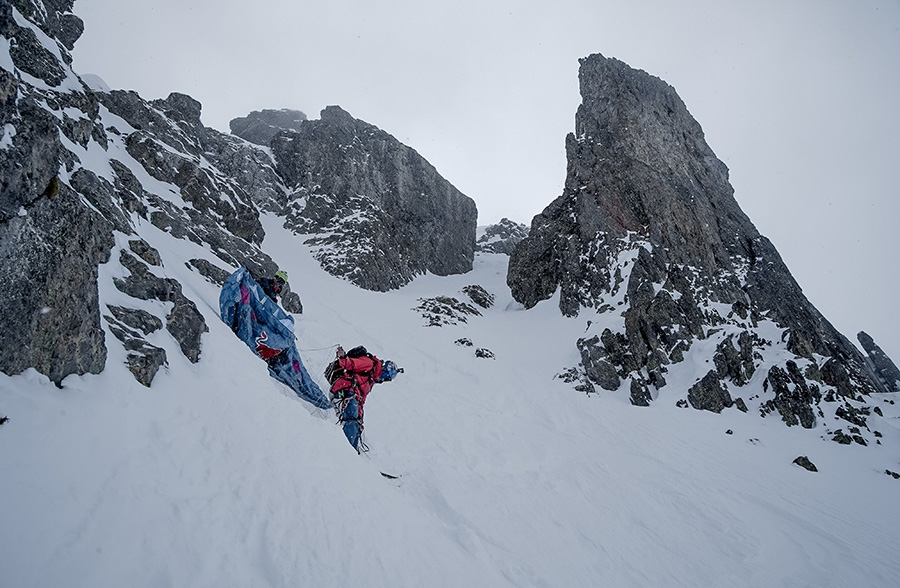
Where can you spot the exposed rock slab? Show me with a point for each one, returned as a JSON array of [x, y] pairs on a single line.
[[885, 369], [377, 212], [501, 237], [260, 126], [648, 238]]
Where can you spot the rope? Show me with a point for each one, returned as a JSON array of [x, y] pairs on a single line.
[[335, 346], [319, 367]]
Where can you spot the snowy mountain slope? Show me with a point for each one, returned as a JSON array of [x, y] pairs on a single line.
[[215, 474], [218, 475]]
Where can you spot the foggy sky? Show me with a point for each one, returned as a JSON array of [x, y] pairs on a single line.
[[798, 98]]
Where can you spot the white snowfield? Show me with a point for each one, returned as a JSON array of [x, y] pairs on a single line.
[[218, 475]]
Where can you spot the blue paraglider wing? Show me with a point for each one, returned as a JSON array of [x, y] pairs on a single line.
[[269, 331]]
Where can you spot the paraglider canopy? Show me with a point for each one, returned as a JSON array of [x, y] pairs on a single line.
[[269, 331]]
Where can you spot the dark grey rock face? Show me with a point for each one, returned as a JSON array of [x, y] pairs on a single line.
[[885, 369], [54, 18], [252, 169], [31, 158], [290, 301], [596, 362], [186, 325], [804, 463], [48, 259], [640, 393], [793, 396], [167, 138], [173, 154], [55, 229], [501, 238], [209, 270], [184, 322], [647, 235], [260, 126], [144, 360], [129, 326], [136, 319], [28, 53], [445, 310], [50, 242], [62, 214], [734, 360], [639, 168], [710, 394], [377, 212], [479, 295], [143, 250]]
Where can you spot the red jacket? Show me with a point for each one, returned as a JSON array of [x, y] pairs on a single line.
[[360, 370]]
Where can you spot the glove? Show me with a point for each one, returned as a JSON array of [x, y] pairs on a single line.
[[340, 352]]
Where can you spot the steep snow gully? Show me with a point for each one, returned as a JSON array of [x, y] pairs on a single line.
[[219, 475]]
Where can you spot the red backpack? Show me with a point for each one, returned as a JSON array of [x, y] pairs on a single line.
[[334, 371]]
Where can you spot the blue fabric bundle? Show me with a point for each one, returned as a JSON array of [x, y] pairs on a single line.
[[269, 332]]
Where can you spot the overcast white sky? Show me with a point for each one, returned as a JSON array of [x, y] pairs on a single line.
[[798, 97]]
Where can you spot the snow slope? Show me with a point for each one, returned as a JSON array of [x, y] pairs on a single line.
[[219, 476]]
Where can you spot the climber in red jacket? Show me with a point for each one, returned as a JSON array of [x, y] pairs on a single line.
[[352, 376]]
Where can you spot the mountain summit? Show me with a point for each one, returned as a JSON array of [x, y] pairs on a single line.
[[378, 213], [648, 238]]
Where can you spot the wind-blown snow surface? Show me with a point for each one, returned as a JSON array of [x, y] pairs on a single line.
[[219, 476]]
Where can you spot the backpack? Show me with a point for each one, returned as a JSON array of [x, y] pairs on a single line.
[[334, 371], [359, 351]]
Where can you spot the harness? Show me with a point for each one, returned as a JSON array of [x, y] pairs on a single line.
[[341, 399]]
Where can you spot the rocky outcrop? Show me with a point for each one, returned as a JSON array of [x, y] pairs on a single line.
[[804, 463], [50, 241], [208, 270], [710, 394], [260, 127], [50, 317], [479, 295], [794, 396], [445, 310], [599, 361], [735, 359], [58, 214], [501, 237], [885, 369], [84, 171], [648, 239], [184, 321], [130, 326], [54, 19], [173, 154], [377, 213]]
